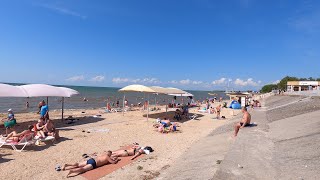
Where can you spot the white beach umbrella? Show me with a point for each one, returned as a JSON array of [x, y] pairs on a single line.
[[69, 92], [137, 88], [7, 90], [44, 90]]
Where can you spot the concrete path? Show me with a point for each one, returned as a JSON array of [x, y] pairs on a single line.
[[277, 148]]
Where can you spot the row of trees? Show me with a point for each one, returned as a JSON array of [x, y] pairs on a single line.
[[282, 85]]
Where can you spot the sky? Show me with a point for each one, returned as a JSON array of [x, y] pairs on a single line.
[[189, 44]]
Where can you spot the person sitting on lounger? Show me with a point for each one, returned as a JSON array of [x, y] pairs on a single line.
[[135, 151], [93, 163], [10, 121], [39, 128], [245, 121], [50, 130], [16, 137]]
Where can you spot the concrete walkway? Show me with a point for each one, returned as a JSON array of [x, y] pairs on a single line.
[[277, 148]]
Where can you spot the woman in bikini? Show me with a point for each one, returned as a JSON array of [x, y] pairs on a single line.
[[135, 151], [16, 137]]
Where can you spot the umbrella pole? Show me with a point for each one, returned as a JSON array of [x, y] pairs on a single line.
[[148, 107], [47, 100], [124, 96], [62, 107]]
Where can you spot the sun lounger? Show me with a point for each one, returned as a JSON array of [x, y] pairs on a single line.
[[46, 139], [23, 142]]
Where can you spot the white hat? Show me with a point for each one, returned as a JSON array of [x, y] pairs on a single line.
[[9, 110]]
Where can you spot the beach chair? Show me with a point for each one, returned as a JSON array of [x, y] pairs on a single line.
[[46, 139], [23, 142]]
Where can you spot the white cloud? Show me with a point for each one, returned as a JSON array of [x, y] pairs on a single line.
[[220, 81], [173, 82], [120, 80], [142, 81], [76, 78], [185, 82], [248, 82], [197, 82], [276, 82], [97, 79], [63, 10]]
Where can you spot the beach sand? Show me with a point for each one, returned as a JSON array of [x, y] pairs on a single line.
[[38, 162]]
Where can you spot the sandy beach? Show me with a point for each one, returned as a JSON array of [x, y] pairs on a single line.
[[108, 132]]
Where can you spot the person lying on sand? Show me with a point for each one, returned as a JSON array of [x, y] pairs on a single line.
[[245, 121], [93, 163], [16, 137], [135, 151], [165, 126]]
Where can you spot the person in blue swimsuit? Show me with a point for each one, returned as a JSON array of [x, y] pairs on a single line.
[[93, 163], [44, 111]]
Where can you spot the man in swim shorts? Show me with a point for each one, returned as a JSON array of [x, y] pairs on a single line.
[[245, 121], [93, 163]]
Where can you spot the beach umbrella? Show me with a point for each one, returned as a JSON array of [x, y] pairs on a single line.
[[44, 90], [137, 88], [7, 90]]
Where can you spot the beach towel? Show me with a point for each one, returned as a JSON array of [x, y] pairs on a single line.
[[107, 169]]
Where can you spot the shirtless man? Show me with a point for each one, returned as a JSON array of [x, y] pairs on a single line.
[[245, 121], [78, 168]]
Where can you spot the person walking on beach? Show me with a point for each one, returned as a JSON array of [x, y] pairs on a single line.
[[245, 121], [93, 163], [218, 110]]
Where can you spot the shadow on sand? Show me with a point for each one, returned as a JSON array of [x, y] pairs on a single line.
[[170, 115], [4, 160], [21, 126]]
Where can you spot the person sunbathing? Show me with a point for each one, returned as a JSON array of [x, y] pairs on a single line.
[[16, 137], [93, 163], [135, 151], [245, 121]]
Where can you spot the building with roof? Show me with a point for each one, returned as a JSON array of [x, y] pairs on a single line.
[[302, 85]]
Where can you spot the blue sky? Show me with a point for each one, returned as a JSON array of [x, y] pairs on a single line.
[[191, 44]]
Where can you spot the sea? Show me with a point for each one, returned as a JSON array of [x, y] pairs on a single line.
[[97, 97]]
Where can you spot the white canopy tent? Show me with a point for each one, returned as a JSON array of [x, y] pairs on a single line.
[[37, 90]]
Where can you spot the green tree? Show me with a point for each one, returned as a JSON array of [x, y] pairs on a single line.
[[268, 88], [282, 85]]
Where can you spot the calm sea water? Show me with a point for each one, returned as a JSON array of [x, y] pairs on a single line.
[[97, 97]]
